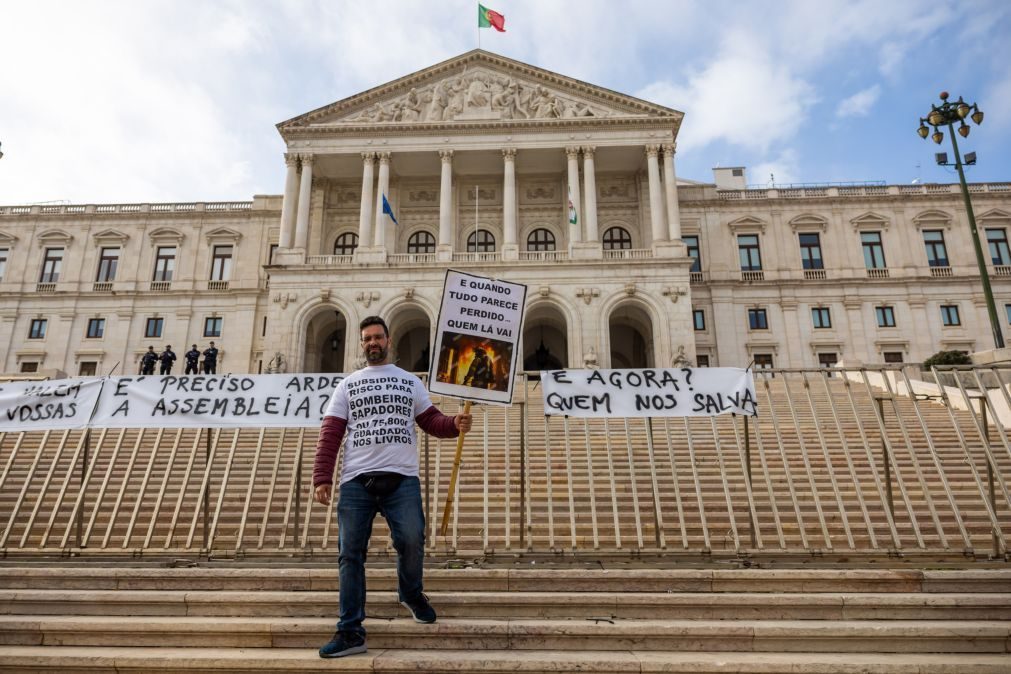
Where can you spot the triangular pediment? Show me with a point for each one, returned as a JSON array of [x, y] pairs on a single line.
[[995, 214], [480, 88], [870, 220]]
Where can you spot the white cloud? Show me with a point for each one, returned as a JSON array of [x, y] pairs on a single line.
[[782, 170], [860, 103]]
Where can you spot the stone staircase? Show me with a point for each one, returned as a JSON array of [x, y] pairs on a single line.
[[223, 617]]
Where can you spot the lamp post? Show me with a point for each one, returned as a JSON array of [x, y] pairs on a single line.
[[948, 113]]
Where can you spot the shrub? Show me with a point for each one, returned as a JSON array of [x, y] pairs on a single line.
[[948, 358]]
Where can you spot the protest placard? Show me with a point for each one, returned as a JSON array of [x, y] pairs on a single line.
[[47, 404], [664, 392], [204, 401], [477, 338]]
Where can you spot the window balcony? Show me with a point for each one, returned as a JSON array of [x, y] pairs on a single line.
[[159, 286], [543, 255], [757, 275], [628, 254], [102, 286], [329, 260], [877, 272], [815, 275], [476, 257], [45, 287], [696, 277], [1002, 270], [940, 272], [411, 258], [217, 285]]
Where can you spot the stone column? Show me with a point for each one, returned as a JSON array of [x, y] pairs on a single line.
[[671, 192], [510, 249], [590, 177], [289, 201], [384, 188], [655, 195], [575, 230], [365, 215], [444, 252], [304, 190]]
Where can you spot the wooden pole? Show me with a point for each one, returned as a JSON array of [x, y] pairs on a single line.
[[450, 495]]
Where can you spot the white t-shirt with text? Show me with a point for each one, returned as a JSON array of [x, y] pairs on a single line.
[[379, 403]]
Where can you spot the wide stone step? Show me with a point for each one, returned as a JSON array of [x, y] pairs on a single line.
[[69, 659], [521, 634], [643, 605]]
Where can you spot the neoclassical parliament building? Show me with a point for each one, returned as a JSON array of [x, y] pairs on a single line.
[[498, 168]]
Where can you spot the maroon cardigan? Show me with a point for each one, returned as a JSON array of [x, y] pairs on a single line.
[[432, 421]]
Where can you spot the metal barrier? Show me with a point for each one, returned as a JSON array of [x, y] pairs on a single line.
[[839, 461]]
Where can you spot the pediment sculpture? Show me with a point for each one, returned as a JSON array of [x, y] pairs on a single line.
[[477, 95]]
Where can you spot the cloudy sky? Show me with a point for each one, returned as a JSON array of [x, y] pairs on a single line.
[[104, 101]]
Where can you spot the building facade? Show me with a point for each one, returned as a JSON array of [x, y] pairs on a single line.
[[502, 169]]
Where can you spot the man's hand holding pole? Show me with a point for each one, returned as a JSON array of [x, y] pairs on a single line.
[[463, 423]]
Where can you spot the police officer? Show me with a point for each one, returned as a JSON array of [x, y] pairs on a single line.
[[192, 360], [148, 361], [167, 358], [211, 360]]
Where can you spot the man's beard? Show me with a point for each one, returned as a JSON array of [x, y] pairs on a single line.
[[376, 355]]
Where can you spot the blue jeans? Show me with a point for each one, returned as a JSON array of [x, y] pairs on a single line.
[[356, 509]]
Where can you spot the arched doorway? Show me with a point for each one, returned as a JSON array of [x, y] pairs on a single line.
[[631, 333], [325, 341], [545, 339], [411, 334]]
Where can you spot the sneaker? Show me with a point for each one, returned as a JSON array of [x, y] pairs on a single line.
[[420, 609], [343, 643]]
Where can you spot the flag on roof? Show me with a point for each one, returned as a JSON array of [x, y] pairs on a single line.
[[489, 18], [387, 210]]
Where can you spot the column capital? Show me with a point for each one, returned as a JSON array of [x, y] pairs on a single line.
[[670, 148], [368, 157], [306, 158], [384, 157], [509, 153], [446, 156], [290, 158], [572, 152], [652, 150], [588, 151]]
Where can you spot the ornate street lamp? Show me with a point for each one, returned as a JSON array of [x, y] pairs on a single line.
[[949, 113]]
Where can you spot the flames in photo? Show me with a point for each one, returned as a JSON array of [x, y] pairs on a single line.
[[478, 362]]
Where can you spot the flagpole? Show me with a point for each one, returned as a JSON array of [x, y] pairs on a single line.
[[477, 200]]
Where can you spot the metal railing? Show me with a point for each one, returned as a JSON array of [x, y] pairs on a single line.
[[850, 462]]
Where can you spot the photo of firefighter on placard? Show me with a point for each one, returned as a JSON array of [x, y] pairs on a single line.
[[477, 362]]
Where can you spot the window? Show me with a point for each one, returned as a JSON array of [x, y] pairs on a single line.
[[29, 367], [88, 368], [421, 242], [886, 317], [893, 356], [810, 251], [949, 315], [692, 242], [997, 240], [757, 319], [1007, 310], [51, 265], [221, 263], [763, 360], [164, 263], [481, 241], [821, 317], [617, 238], [751, 256], [96, 328], [345, 244], [874, 252], [153, 327], [212, 326], [540, 239], [827, 360], [699, 316], [703, 360], [108, 261], [4, 252], [937, 254], [37, 328]]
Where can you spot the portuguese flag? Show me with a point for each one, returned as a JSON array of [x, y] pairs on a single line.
[[490, 18]]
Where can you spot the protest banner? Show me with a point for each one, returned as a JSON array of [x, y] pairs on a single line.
[[477, 338], [665, 392], [45, 405], [205, 401]]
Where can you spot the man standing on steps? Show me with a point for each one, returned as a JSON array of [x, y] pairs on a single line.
[[378, 407]]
